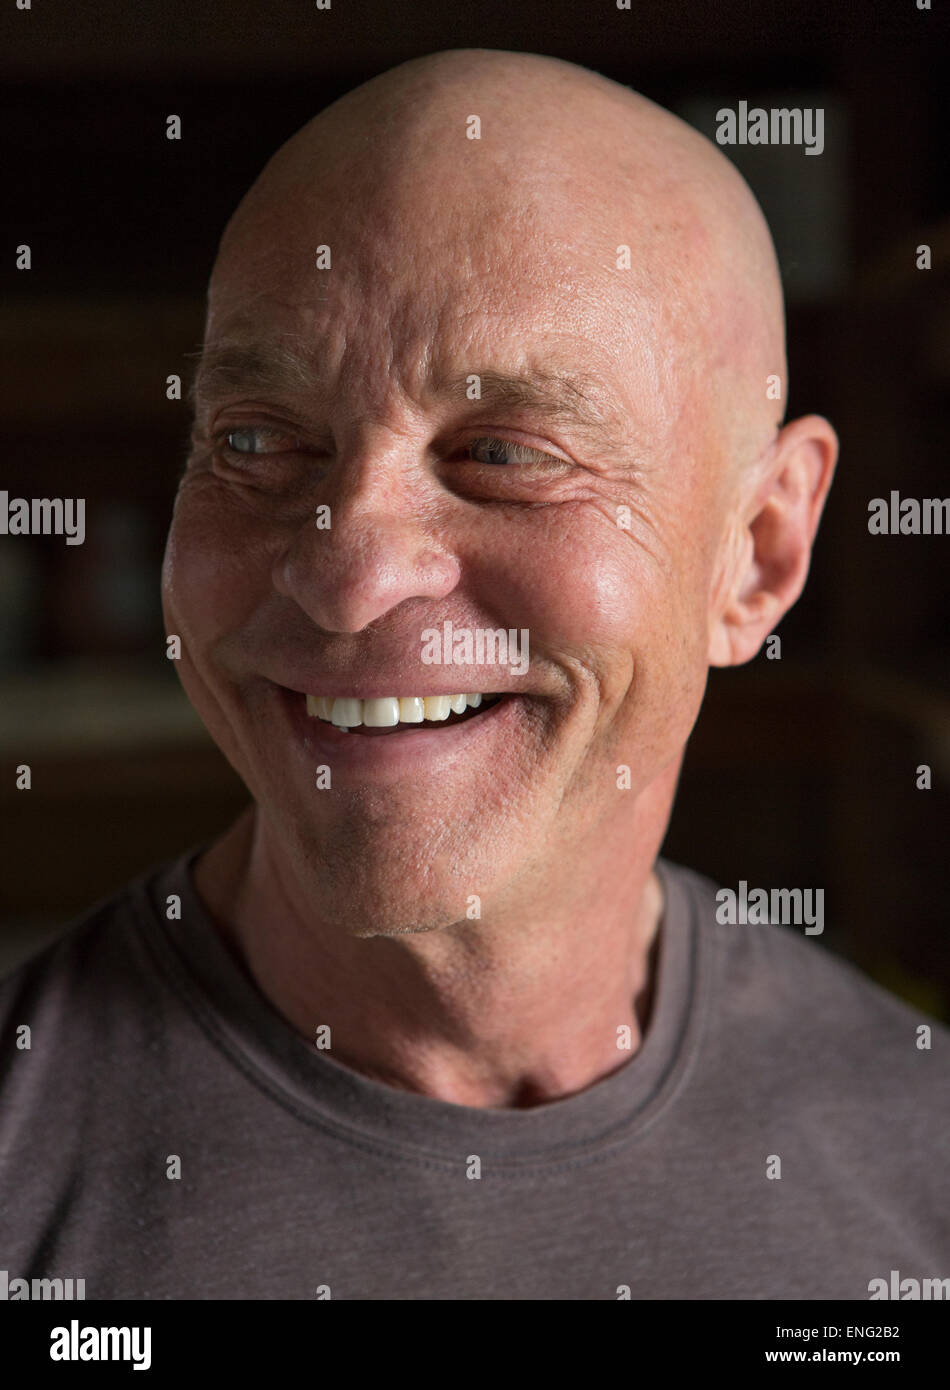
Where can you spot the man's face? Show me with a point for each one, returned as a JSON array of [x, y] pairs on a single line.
[[592, 521]]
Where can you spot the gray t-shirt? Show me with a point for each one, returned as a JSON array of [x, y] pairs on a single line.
[[298, 1175]]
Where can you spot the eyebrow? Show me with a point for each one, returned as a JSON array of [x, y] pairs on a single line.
[[567, 398], [224, 367]]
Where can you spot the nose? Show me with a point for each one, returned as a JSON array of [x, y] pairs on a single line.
[[379, 549]]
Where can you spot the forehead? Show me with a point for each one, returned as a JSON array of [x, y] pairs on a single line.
[[392, 310]]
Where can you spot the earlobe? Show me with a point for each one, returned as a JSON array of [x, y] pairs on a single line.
[[778, 533]]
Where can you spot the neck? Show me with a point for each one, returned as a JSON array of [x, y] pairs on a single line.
[[519, 1008]]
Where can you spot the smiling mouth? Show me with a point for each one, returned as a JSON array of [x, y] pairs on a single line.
[[394, 713]]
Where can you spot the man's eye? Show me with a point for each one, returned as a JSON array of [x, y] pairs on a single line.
[[502, 451], [254, 441]]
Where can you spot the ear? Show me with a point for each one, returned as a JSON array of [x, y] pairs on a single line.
[[771, 540]]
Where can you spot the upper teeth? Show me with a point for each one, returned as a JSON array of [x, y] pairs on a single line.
[[388, 711]]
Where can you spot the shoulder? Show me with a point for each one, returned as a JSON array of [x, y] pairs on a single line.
[[77, 951], [96, 976], [785, 998]]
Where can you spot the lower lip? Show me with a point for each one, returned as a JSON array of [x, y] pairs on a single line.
[[430, 750]]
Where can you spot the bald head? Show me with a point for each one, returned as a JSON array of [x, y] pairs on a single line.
[[508, 327], [573, 183]]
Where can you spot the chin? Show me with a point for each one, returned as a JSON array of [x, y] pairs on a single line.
[[372, 907], [380, 881]]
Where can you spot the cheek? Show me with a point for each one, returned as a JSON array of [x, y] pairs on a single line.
[[583, 585], [211, 582], [627, 616], [211, 576]]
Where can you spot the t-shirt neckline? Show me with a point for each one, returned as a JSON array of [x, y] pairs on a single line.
[[242, 1023]]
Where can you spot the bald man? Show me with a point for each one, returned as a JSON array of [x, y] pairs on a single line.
[[487, 355]]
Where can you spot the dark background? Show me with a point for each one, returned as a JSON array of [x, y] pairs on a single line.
[[801, 772]]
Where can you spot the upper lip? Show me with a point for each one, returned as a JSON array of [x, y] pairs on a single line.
[[362, 690]]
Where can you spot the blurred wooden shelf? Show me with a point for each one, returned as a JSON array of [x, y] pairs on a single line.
[[94, 364], [78, 710]]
